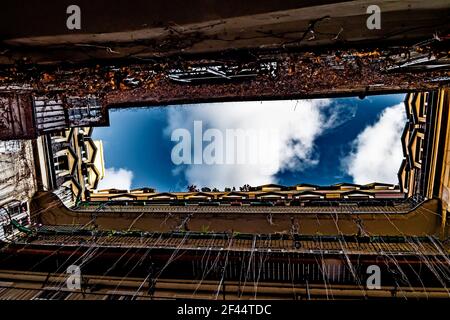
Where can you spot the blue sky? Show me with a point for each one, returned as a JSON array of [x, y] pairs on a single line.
[[317, 141]]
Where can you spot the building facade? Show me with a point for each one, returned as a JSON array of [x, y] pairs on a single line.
[[18, 185], [425, 170], [26, 116], [70, 163], [270, 194]]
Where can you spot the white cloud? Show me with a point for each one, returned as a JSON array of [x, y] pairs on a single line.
[[296, 126], [116, 178], [377, 151]]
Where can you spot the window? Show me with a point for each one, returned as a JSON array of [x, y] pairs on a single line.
[[88, 112], [59, 133], [119, 297], [24, 207], [61, 163], [8, 229], [24, 221], [418, 151], [52, 295], [407, 176], [11, 146], [423, 105], [15, 210]]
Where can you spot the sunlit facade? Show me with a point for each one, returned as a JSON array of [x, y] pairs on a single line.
[[425, 170], [70, 163]]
